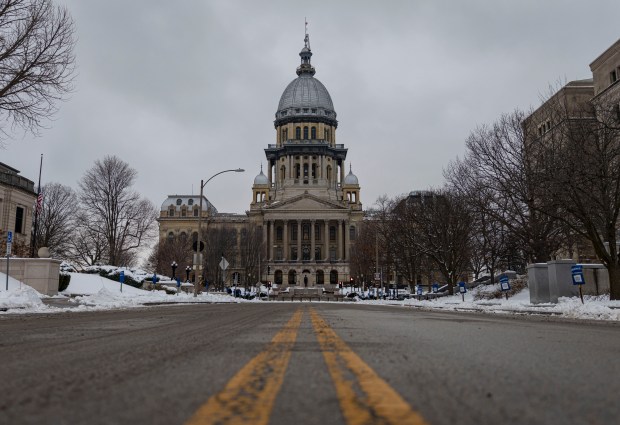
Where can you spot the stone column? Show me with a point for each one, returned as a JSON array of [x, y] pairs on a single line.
[[326, 242], [347, 240], [285, 240], [272, 239], [299, 236], [339, 253], [312, 243]]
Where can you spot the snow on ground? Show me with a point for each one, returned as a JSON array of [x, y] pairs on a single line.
[[93, 292]]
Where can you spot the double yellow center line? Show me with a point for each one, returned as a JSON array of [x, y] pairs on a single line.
[[249, 396]]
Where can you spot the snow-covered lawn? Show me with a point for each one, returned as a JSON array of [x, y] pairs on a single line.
[[93, 292]]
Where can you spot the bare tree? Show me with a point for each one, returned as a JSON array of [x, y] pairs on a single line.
[[581, 153], [36, 61], [250, 253], [498, 164], [444, 226], [88, 245], [114, 212], [56, 220], [219, 242], [177, 249]]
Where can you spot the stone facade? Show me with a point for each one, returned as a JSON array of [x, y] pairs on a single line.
[[307, 211], [17, 197]]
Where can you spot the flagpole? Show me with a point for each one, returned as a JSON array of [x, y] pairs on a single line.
[[36, 213]]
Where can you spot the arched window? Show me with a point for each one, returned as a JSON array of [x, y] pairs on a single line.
[[333, 277], [183, 236], [170, 236], [320, 278], [313, 133], [179, 201], [190, 202], [305, 133], [196, 212], [298, 133], [292, 277], [171, 212]]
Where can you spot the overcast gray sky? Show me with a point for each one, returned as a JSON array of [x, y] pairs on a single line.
[[184, 89]]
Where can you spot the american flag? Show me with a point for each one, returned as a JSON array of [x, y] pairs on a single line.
[[39, 201]]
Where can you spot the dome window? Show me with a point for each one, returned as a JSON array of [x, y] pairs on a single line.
[[190, 202], [297, 110], [298, 133], [305, 133], [314, 110], [313, 133]]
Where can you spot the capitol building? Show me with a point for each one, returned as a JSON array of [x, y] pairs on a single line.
[[305, 210]]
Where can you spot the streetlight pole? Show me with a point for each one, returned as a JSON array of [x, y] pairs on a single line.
[[198, 255], [174, 266]]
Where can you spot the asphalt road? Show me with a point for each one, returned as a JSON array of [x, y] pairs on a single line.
[[305, 363]]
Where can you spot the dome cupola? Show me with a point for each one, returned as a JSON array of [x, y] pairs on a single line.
[[351, 179], [305, 98], [261, 179]]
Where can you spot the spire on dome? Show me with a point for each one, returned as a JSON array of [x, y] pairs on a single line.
[[306, 54]]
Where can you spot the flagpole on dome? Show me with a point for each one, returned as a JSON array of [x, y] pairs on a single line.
[[37, 209]]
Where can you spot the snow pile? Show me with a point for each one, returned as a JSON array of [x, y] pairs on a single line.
[[19, 296]]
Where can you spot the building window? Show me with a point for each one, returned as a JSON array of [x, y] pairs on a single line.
[[332, 233], [352, 233], [183, 212], [317, 232], [320, 279], [292, 277], [195, 212], [332, 253], [613, 76], [313, 133], [170, 237], [190, 202], [293, 253], [333, 277], [179, 201], [279, 253], [279, 233], [317, 253], [294, 233], [305, 250], [306, 232], [278, 277], [171, 212], [285, 134], [305, 133], [19, 220], [297, 133]]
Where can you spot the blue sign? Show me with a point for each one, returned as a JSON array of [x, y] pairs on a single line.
[[435, 288], [504, 284], [577, 272], [154, 278], [178, 282], [9, 237], [419, 290], [122, 276], [462, 288]]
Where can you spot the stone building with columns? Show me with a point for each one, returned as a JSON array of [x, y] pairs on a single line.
[[306, 206], [308, 209]]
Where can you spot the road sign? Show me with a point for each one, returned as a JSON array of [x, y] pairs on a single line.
[[577, 272], [122, 276], [8, 248], [435, 288], [419, 290], [223, 264], [504, 284], [9, 236], [462, 288], [377, 276]]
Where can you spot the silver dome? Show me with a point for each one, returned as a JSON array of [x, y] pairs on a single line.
[[305, 91], [351, 179], [261, 179]]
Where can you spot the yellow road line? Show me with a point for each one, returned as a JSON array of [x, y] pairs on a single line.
[[364, 397], [249, 396]]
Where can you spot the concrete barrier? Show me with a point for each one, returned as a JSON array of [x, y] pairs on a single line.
[[40, 273], [548, 282]]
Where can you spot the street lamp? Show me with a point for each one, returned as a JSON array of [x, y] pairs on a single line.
[[187, 270], [174, 266], [198, 256]]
